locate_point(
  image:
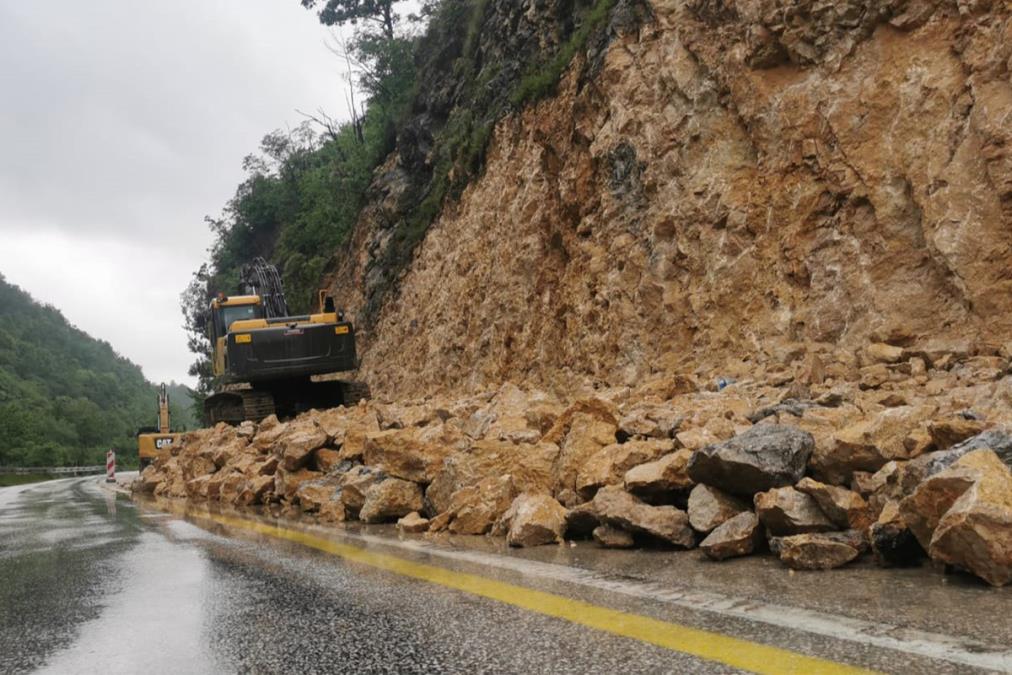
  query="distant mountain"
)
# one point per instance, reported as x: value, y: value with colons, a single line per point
x: 65, y: 397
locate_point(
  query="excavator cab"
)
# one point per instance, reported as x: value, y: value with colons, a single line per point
x: 224, y: 313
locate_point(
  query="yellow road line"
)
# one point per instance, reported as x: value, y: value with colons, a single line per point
x: 704, y: 644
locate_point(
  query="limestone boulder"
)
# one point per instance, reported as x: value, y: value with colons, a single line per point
x: 337, y: 422
x: 816, y: 551
x: 413, y: 523
x: 530, y: 465
x: 263, y: 466
x: 355, y: 485
x: 650, y: 421
x: 923, y: 509
x: 197, y: 488
x: 708, y: 508
x: 736, y: 536
x: 845, y: 508
x: 869, y: 444
x: 975, y: 534
x: 534, y: 520
x: 786, y: 511
x: 296, y: 445
x: 232, y: 486
x: 390, y: 499
x: 270, y: 430
x: 313, y: 494
x: 608, y: 536
x: 951, y: 431
x: 195, y: 466
x: 256, y: 490
x: 413, y: 454
x: 149, y: 479
x: 326, y: 459
x: 662, y: 476
x: 766, y: 456
x: 615, y: 506
x: 609, y: 465
x: 287, y: 483
x: 476, y: 508
x: 998, y: 440
x: 581, y: 431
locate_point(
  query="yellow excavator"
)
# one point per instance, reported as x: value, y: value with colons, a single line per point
x: 267, y: 361
x: 155, y: 441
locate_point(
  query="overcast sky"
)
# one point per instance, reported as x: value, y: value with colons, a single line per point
x: 122, y: 124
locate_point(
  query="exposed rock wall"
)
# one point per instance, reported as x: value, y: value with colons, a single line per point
x: 740, y: 182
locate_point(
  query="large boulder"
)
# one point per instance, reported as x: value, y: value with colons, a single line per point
x: 764, y: 457
x: 312, y: 495
x: 734, y: 537
x: 975, y: 534
x: 660, y: 477
x: 845, y: 508
x: 327, y: 459
x: 268, y: 433
x: 390, y: 499
x: 999, y: 440
x: 355, y: 485
x: 413, y: 454
x: 650, y: 421
x: 923, y: 509
x: 581, y: 431
x: 609, y: 465
x: 476, y: 508
x: 286, y: 483
x: 951, y: 431
x: 869, y: 444
x: 256, y: 490
x: 296, y: 445
x: 530, y: 466
x: 708, y: 508
x: 615, y: 506
x: 785, y: 512
x: 534, y: 520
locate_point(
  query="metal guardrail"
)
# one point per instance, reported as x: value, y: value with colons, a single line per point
x: 52, y: 470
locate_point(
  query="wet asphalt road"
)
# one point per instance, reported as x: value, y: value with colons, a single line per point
x: 92, y: 582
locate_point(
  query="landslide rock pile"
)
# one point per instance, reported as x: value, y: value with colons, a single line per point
x: 902, y: 453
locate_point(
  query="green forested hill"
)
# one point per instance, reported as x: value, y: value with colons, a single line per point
x: 65, y: 397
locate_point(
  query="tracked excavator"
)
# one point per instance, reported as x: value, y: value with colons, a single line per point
x: 157, y: 440
x: 267, y: 361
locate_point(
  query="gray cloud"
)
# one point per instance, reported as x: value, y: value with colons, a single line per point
x: 122, y: 124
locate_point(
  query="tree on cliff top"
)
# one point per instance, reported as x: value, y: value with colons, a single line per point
x: 377, y: 13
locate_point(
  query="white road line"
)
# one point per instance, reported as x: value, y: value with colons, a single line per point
x: 911, y: 641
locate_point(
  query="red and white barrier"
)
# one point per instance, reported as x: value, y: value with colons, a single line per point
x: 110, y: 466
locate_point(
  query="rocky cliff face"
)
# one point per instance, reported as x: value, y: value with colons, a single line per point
x: 732, y: 187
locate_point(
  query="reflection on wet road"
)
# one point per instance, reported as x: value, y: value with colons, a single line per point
x: 94, y: 583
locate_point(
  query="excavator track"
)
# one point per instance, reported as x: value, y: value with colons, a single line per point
x: 285, y: 399
x: 353, y: 392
